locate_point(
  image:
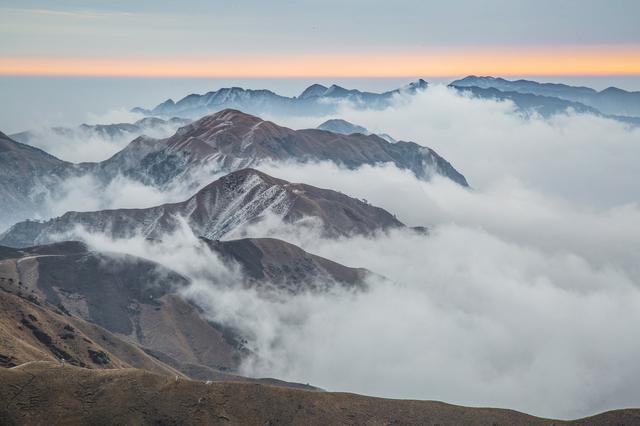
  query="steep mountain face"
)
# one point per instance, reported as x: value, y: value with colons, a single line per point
x: 230, y: 140
x: 136, y: 300
x: 611, y: 101
x: 25, y: 175
x: 33, y: 329
x: 233, y: 201
x: 314, y: 100
x: 130, y: 297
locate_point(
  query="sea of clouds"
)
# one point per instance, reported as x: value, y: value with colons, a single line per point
x: 525, y: 294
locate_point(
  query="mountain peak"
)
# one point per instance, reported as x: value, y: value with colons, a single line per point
x: 336, y: 90
x: 235, y: 178
x: 315, y: 90
x: 226, y: 115
x: 338, y: 125
x: 419, y: 84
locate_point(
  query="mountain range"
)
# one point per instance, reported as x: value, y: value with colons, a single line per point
x: 89, y: 336
x: 545, y: 99
x: 548, y: 99
x: 230, y: 140
x: 222, y: 142
x: 150, y: 126
x: 314, y: 100
x: 236, y: 200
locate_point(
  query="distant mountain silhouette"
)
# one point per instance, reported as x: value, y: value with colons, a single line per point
x: 616, y: 103
x: 314, y: 100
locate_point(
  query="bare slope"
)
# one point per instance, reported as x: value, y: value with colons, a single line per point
x: 231, y: 202
x: 45, y: 392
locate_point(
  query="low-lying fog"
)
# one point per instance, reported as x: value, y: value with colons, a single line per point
x: 526, y: 293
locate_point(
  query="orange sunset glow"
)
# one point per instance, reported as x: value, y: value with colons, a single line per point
x: 569, y: 61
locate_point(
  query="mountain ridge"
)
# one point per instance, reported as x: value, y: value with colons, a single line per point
x: 139, y: 301
x: 220, y: 143
x: 260, y: 101
x: 611, y: 101
x: 232, y: 139
x: 235, y: 200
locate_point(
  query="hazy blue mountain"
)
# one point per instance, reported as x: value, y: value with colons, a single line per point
x: 152, y: 126
x: 529, y: 103
x: 611, y: 101
x: 314, y: 100
x: 337, y: 125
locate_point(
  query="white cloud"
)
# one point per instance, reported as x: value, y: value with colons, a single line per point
x: 82, y: 144
x: 580, y: 157
x: 512, y: 307
x: 115, y: 115
x: 525, y: 295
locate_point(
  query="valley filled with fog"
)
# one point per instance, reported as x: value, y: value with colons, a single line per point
x: 519, y: 290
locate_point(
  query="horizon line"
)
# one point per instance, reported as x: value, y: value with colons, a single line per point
x: 557, y: 62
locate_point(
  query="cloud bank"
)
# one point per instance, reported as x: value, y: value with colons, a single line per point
x: 525, y: 294
x: 581, y: 157
x: 88, y: 144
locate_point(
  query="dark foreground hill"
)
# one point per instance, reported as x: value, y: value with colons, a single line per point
x: 47, y: 393
x: 108, y: 297
x: 33, y: 329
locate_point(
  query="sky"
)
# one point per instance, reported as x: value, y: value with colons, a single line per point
x: 359, y: 38
x: 59, y: 53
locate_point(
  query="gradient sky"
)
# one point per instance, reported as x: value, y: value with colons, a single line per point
x: 253, y: 38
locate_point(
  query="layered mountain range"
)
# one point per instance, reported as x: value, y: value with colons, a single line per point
x: 88, y: 334
x: 548, y: 99
x: 223, y: 142
x: 314, y: 100
x: 151, y: 126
